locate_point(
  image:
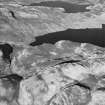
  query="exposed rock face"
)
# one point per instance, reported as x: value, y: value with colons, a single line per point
x: 66, y: 73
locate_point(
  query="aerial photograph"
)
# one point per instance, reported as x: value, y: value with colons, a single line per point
x: 52, y: 52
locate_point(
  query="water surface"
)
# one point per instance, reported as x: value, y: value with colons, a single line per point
x: 93, y: 36
x: 69, y: 7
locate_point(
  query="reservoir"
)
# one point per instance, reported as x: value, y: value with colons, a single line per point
x: 93, y: 36
x: 69, y: 7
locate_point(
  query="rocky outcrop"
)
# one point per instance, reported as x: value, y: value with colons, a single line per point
x: 66, y: 73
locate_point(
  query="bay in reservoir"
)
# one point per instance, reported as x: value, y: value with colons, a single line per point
x: 69, y: 7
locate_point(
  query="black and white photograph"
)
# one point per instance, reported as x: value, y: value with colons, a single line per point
x: 52, y: 52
